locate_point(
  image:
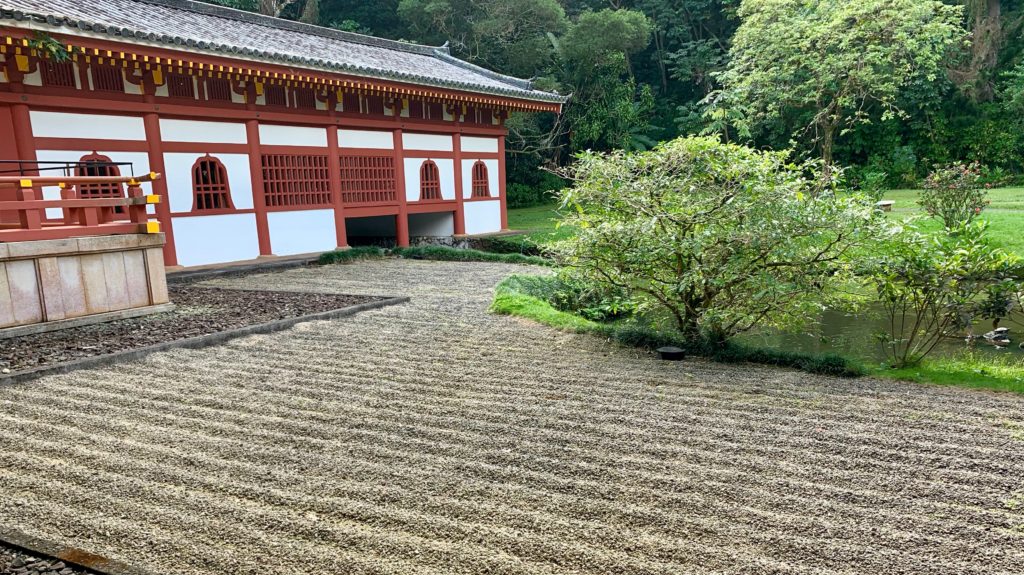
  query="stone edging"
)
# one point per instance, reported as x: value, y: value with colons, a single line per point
x: 77, y: 558
x: 192, y: 343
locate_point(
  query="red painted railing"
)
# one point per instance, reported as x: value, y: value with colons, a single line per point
x: 81, y: 216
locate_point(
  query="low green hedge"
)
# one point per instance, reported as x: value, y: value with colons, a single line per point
x: 463, y: 255
x: 440, y: 253
x: 523, y: 296
x: 351, y: 255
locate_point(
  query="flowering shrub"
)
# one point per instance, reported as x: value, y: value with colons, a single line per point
x: 717, y: 237
x: 954, y: 194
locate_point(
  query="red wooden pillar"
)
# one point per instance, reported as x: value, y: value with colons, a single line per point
x: 155, y: 151
x: 334, y: 164
x: 460, y: 209
x: 24, y: 141
x: 402, y: 219
x: 501, y: 182
x: 259, y: 200
x: 8, y: 151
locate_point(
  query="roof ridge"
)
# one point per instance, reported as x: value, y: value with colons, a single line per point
x: 520, y: 83
x: 294, y: 26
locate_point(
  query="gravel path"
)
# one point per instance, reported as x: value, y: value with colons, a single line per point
x: 434, y: 438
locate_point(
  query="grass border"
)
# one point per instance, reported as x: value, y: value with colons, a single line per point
x: 508, y: 300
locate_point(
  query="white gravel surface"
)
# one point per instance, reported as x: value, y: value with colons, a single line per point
x: 433, y: 437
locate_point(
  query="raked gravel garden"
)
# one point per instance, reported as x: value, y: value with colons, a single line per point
x: 434, y: 437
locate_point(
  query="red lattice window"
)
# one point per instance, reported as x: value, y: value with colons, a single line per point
x: 57, y: 73
x: 210, y: 189
x: 367, y: 179
x: 430, y: 181
x: 180, y: 86
x: 218, y: 89
x: 486, y: 116
x: 481, y: 188
x: 100, y: 166
x: 275, y: 95
x: 107, y: 78
x: 292, y: 180
x: 435, y: 111
x: 305, y: 98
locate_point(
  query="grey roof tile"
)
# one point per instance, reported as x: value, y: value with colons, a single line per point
x: 185, y: 23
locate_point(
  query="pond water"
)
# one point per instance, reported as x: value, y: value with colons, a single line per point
x: 855, y: 335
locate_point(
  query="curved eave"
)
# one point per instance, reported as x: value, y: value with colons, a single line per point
x: 67, y: 26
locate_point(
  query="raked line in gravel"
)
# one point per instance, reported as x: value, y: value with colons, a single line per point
x: 433, y: 437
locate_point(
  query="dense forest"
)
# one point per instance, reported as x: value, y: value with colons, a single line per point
x: 645, y: 71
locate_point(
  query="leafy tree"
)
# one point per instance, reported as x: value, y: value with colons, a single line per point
x: 608, y: 109
x: 932, y: 286
x: 721, y: 237
x: 832, y: 60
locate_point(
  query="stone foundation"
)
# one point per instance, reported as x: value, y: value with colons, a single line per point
x: 56, y: 281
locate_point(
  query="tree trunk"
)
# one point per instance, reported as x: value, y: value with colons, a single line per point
x: 985, y: 21
x: 274, y: 7
x: 828, y: 135
x: 311, y: 12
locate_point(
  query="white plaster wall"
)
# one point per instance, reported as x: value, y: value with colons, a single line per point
x: 33, y: 79
x: 52, y: 193
x: 88, y: 126
x: 205, y: 132
x: 200, y: 240
x: 445, y: 169
x: 440, y: 224
x: 467, y: 177
x: 139, y: 161
x: 477, y: 144
x: 482, y: 216
x: 179, y: 179
x: 374, y: 139
x: 272, y: 135
x: 302, y: 232
x: 437, y: 142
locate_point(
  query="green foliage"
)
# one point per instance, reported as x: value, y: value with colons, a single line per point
x: 933, y: 285
x: 351, y: 255
x: 540, y: 187
x: 49, y: 46
x: 526, y: 296
x: 720, y: 237
x: 462, y: 255
x: 816, y: 65
x: 953, y: 194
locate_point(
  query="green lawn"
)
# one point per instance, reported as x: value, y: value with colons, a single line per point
x: 1005, y: 215
x: 539, y: 223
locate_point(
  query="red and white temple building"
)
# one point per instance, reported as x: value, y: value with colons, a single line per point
x: 272, y: 137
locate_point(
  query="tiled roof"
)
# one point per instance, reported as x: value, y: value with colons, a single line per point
x: 193, y: 25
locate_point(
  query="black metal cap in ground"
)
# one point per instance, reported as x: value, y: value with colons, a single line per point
x: 670, y: 353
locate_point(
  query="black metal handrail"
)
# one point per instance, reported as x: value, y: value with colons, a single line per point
x: 68, y: 168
